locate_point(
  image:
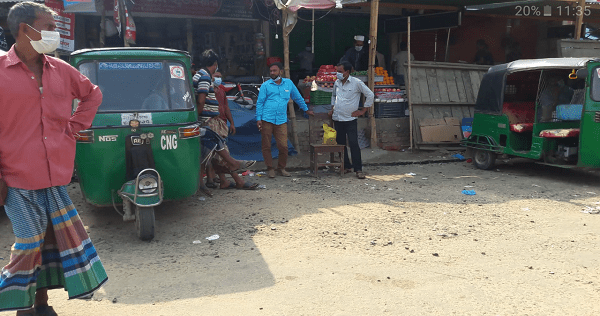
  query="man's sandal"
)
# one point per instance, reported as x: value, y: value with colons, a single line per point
x: 360, y: 175
x: 249, y: 186
x: 245, y: 164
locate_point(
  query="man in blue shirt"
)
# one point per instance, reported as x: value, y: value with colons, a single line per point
x: 271, y: 116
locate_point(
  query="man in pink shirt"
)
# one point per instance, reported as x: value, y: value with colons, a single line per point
x: 37, y: 152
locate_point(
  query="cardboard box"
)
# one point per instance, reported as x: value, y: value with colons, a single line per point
x: 441, y: 130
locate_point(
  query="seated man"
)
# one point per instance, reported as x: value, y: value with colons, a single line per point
x: 215, y: 152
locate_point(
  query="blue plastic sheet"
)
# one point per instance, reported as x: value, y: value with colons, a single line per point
x: 458, y: 156
x: 246, y: 143
x: 468, y: 192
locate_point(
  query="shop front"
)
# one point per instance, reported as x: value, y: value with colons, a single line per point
x: 231, y: 28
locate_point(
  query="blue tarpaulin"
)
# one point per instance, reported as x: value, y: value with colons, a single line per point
x: 246, y: 143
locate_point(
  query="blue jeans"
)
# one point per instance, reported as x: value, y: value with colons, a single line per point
x: 349, y: 128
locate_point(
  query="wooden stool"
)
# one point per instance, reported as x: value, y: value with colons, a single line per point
x: 316, y: 149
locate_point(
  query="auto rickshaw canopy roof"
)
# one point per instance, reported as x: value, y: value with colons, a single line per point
x: 491, y: 90
x: 132, y: 51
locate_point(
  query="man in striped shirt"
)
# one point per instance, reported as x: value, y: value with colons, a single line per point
x: 207, y: 102
x: 208, y: 106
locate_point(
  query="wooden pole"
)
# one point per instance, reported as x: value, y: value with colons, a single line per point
x: 190, y: 37
x: 286, y: 59
x: 372, y: 57
x: 447, y: 56
x: 312, y: 39
x: 579, y: 23
x: 408, y: 81
x: 102, y: 23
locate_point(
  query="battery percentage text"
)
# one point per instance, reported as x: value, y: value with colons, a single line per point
x: 557, y: 11
x: 528, y: 10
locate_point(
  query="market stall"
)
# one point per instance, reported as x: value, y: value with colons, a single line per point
x: 390, y: 98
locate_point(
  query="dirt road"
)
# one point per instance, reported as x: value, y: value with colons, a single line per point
x: 393, y: 244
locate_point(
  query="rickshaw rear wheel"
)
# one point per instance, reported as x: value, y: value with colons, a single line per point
x: 144, y: 222
x: 484, y: 159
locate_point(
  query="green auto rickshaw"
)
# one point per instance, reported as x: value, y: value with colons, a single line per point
x: 547, y: 110
x: 143, y: 146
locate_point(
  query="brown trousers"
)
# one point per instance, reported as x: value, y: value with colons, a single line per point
x: 280, y: 132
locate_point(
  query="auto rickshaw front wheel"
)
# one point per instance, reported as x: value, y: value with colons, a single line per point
x: 484, y: 159
x: 144, y: 222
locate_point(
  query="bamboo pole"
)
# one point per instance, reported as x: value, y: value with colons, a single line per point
x: 286, y: 59
x: 408, y: 81
x: 190, y: 37
x: 579, y: 23
x: 372, y: 57
x: 102, y: 23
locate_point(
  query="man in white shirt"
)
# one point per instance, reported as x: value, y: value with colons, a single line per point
x: 345, y: 100
x: 398, y: 63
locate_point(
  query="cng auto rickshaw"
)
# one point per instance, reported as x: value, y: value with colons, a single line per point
x: 143, y: 146
x: 547, y: 110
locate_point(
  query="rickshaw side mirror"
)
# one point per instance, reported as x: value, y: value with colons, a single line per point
x: 581, y: 73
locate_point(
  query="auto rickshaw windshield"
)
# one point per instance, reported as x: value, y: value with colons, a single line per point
x: 140, y: 86
x: 595, y: 91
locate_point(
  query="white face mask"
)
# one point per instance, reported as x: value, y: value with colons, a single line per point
x: 48, y: 43
x: 358, y: 48
x: 340, y: 75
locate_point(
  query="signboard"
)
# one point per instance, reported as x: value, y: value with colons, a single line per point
x: 80, y: 5
x: 65, y: 25
x: 235, y: 9
x: 130, y: 66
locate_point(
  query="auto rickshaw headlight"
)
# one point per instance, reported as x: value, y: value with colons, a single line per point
x: 189, y: 131
x: 86, y: 136
x: 148, y: 183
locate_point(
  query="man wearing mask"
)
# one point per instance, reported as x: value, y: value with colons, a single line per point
x: 271, y: 116
x: 37, y: 127
x: 357, y: 56
x: 219, y: 125
x: 345, y: 99
x: 306, y: 59
x: 208, y: 107
x: 398, y: 63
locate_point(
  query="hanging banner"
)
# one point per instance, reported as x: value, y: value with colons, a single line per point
x: 80, y: 5
x: 234, y: 9
x: 117, y: 15
x: 65, y: 25
x: 130, y: 30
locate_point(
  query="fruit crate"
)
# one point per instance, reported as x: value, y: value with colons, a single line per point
x: 390, y: 110
x: 320, y: 97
